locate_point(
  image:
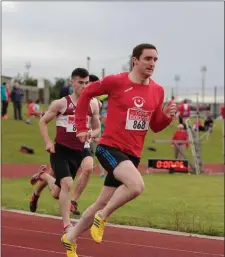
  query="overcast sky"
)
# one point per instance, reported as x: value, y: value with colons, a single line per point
x: 56, y: 37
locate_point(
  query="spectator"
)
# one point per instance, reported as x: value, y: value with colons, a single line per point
x: 222, y: 111
x: 32, y: 110
x: 198, y: 125
x: 184, y: 112
x: 182, y: 135
x: 37, y: 105
x: 9, y: 97
x: 38, y: 109
x: 16, y: 97
x: 172, y: 100
x: 208, y: 123
x: 8, y: 92
x: 4, y: 99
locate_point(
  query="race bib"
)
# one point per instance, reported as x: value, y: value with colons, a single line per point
x: 138, y: 119
x: 71, y: 124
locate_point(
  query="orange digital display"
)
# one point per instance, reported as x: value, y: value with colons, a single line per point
x: 169, y: 164
x: 176, y: 165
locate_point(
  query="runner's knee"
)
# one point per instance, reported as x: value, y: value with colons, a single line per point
x: 137, y: 187
x: 55, y: 195
x: 66, y: 184
x: 87, y: 172
x: 55, y: 192
x: 87, y: 165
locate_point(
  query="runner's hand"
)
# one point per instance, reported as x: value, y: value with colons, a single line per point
x: 170, y: 109
x: 50, y: 147
x: 84, y: 136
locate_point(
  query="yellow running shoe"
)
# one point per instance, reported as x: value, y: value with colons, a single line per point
x: 70, y: 247
x: 97, y: 228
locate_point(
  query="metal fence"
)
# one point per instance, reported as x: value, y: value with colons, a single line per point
x: 214, y: 96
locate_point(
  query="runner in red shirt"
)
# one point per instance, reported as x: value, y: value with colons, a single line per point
x: 135, y: 104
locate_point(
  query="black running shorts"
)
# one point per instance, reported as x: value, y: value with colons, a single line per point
x: 110, y: 157
x: 65, y: 162
x: 89, y: 151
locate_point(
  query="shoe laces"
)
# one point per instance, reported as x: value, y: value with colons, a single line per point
x: 73, y: 246
x: 101, y: 227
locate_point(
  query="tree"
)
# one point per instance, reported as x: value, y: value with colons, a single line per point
x: 30, y: 82
x: 59, y: 84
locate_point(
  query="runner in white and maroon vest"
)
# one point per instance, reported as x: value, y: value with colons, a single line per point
x: 87, y: 164
x: 67, y: 153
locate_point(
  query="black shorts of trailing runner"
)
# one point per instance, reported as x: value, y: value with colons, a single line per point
x: 65, y: 162
x: 89, y: 151
x: 110, y: 157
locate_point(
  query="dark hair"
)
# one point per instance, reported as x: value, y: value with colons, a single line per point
x: 93, y: 78
x: 37, y: 101
x: 4, y: 83
x: 138, y: 50
x: 80, y: 72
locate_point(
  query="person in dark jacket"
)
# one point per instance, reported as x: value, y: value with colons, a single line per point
x: 16, y: 97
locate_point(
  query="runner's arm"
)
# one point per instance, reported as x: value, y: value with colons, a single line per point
x: 95, y: 120
x: 95, y: 124
x: 159, y: 119
x: 100, y: 87
x: 55, y: 107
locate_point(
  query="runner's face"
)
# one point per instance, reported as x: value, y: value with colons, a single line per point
x: 146, y: 62
x: 78, y: 84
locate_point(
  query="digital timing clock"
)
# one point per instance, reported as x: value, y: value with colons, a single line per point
x: 168, y: 164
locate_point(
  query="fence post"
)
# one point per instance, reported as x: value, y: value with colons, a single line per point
x: 103, y: 72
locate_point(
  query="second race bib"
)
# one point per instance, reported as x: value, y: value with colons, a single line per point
x: 71, y: 124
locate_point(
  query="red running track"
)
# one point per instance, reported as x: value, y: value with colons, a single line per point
x: 35, y: 236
